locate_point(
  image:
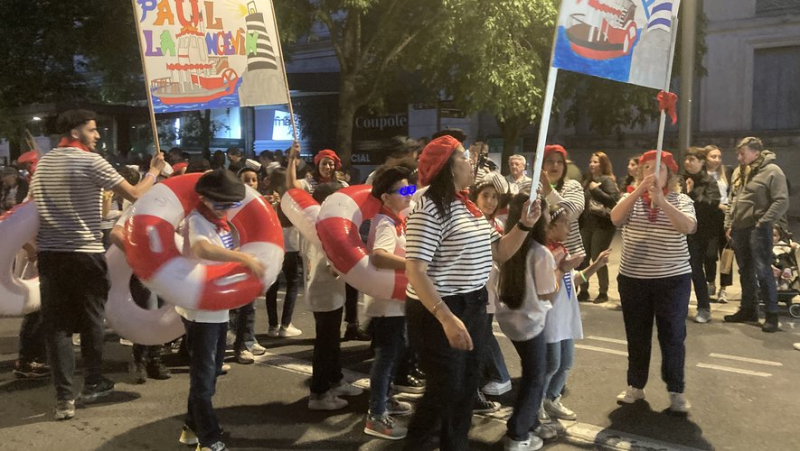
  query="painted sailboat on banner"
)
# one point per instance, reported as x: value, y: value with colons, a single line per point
x: 607, y: 30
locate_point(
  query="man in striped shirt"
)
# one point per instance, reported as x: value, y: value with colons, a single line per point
x: 67, y: 188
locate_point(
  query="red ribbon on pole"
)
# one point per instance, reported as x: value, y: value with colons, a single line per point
x: 667, y: 102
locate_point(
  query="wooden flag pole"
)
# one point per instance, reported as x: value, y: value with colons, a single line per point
x: 667, y: 79
x: 146, y: 81
x: 285, y: 75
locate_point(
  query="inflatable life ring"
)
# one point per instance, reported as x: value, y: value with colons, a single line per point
x: 155, y: 258
x: 18, y: 226
x: 302, y: 210
x: 141, y: 326
x: 339, y: 220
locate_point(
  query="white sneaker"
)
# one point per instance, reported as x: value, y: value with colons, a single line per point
x: 273, y: 331
x: 722, y: 296
x: 289, y: 331
x: 345, y: 389
x: 702, y: 317
x: 326, y: 401
x: 678, y: 403
x: 531, y: 444
x: 630, y: 395
x: 245, y: 357
x: 76, y: 339
x: 257, y: 349
x: 797, y: 346
x: 496, y: 388
x: 543, y: 416
x: 555, y: 409
x: 546, y: 431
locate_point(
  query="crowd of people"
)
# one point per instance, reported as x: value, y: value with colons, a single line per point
x: 475, y: 245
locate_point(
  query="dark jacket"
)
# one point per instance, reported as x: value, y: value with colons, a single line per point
x: 762, y: 199
x: 706, y: 196
x: 606, y: 194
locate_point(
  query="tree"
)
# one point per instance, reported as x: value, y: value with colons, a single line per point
x: 369, y: 37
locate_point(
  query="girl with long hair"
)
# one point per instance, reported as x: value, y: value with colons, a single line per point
x: 722, y: 174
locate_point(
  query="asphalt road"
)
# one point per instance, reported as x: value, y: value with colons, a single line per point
x: 742, y: 383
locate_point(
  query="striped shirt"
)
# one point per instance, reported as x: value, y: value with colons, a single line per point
x: 68, y: 186
x: 458, y: 249
x: 654, y: 250
x: 572, y: 198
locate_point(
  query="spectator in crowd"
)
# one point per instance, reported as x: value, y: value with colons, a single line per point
x: 517, y: 179
x: 703, y: 190
x: 236, y: 158
x: 628, y: 183
x: 655, y: 276
x: 722, y: 175
x: 759, y: 198
x: 597, y: 230
x: 218, y: 159
x: 13, y: 188
x: 268, y: 162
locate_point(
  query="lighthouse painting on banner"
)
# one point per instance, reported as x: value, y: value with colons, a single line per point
x: 203, y: 54
x: 622, y: 40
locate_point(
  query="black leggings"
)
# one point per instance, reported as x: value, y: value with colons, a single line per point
x: 596, y: 239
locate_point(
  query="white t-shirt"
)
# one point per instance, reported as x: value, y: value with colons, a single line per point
x: 383, y: 235
x: 198, y: 229
x: 324, y: 291
x: 528, y: 321
x: 492, y: 286
x: 291, y: 239
x: 564, y: 319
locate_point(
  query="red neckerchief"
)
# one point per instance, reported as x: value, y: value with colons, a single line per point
x: 495, y: 225
x: 553, y: 245
x: 67, y: 142
x: 630, y: 189
x: 652, y: 213
x: 210, y: 216
x: 399, y: 224
x: 462, y: 196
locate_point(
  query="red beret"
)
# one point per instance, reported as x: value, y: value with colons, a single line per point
x: 555, y: 148
x: 29, y: 157
x: 434, y: 157
x: 666, y: 158
x: 179, y: 166
x: 328, y: 153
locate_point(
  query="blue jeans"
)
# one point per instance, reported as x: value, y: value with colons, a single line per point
x: 389, y: 343
x: 753, y: 249
x: 494, y: 366
x: 206, y: 345
x: 452, y: 376
x: 560, y: 357
x: 667, y: 300
x: 532, y: 354
x: 243, y: 323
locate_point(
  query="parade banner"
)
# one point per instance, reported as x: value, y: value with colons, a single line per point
x: 623, y: 40
x: 210, y: 54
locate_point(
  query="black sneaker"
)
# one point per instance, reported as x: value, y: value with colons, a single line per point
x: 30, y: 370
x: 156, y: 370
x: 742, y: 316
x: 771, y: 323
x: 416, y: 372
x: 483, y: 405
x: 409, y: 385
x: 583, y: 296
x: 139, y: 372
x: 601, y: 298
x: 97, y: 390
x: 354, y: 333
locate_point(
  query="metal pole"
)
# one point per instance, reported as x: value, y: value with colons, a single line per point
x: 285, y: 75
x: 688, y: 38
x: 544, y: 125
x: 146, y: 81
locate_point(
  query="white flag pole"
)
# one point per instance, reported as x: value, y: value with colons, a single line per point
x: 285, y: 75
x: 663, y: 120
x: 544, y: 125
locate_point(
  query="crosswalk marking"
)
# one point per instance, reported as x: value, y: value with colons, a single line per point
x: 733, y: 370
x: 608, y: 340
x: 745, y: 359
x: 604, y: 350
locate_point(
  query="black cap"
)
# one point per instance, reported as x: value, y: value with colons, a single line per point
x: 220, y: 185
x: 384, y: 180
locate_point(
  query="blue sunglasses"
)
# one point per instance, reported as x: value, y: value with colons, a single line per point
x: 405, y: 191
x: 219, y: 206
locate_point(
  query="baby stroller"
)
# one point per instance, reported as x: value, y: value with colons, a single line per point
x: 785, y: 254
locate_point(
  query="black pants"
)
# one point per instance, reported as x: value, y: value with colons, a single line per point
x: 31, y: 339
x: 667, y: 300
x: 206, y: 345
x: 596, y: 239
x: 326, y: 364
x: 452, y: 376
x: 697, y: 255
x: 350, y: 305
x: 74, y: 288
x: 292, y: 274
x: 533, y: 356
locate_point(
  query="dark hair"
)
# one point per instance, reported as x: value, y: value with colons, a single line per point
x: 235, y: 151
x: 456, y: 133
x: 386, y: 177
x: 198, y: 166
x: 322, y: 191
x: 442, y: 191
x: 129, y: 174
x: 218, y: 159
x: 560, y: 182
x: 267, y: 154
x: 477, y: 189
x: 697, y: 152
x: 248, y: 169
x: 513, y: 271
x: 72, y: 119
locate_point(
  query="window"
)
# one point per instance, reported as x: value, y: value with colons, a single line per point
x: 776, y: 90
x: 777, y: 6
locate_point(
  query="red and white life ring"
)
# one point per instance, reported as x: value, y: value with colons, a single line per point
x: 18, y: 296
x: 302, y: 210
x: 339, y: 219
x: 155, y: 258
x: 141, y: 326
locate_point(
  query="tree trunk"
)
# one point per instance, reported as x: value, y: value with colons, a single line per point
x: 511, y: 128
x: 348, y: 105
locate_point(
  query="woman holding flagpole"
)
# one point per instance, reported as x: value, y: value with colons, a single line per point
x: 655, y: 277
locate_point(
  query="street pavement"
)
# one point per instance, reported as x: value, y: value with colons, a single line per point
x: 742, y: 384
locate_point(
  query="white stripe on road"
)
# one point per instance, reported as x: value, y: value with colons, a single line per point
x: 732, y: 370
x: 604, y: 437
x: 745, y: 359
x: 604, y: 350
x: 608, y: 340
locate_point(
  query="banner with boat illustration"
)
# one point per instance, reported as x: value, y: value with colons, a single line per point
x: 622, y: 40
x: 210, y: 54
